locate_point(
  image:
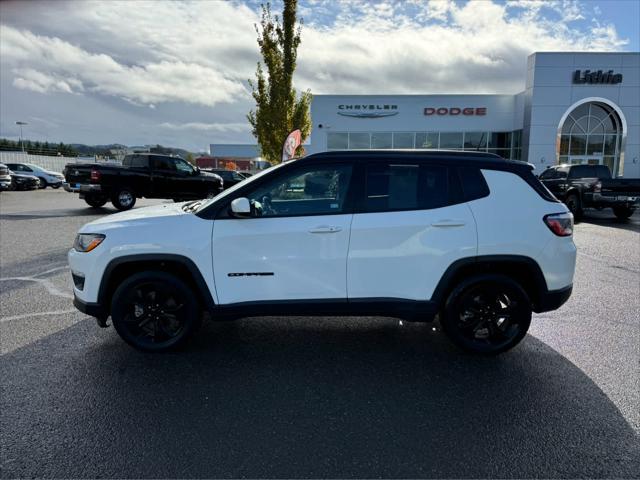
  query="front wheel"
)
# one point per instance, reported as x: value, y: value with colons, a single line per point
x: 154, y: 311
x: 622, y: 213
x: 123, y: 199
x: 43, y: 183
x: 487, y: 314
x: 56, y: 186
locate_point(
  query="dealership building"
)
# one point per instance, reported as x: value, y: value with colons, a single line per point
x: 579, y: 108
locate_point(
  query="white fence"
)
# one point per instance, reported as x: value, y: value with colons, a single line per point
x: 55, y: 164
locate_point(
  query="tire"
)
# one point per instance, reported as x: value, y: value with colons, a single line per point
x: 622, y: 213
x: 123, y: 199
x: 574, y: 205
x: 95, y: 202
x: 56, y: 186
x: 43, y: 183
x: 155, y: 311
x: 486, y: 314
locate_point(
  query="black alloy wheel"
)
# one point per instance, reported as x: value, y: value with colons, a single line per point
x: 487, y: 314
x: 154, y: 311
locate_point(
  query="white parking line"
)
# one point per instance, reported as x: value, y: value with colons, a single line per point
x: 37, y: 314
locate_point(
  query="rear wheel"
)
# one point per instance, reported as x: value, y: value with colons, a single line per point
x: 574, y: 205
x: 154, y: 311
x: 123, y: 199
x: 95, y: 202
x: 43, y: 183
x: 622, y: 213
x: 487, y: 314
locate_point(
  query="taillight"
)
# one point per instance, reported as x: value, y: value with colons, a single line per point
x: 95, y: 175
x: 597, y: 187
x: 560, y: 223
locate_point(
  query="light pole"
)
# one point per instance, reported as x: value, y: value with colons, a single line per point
x: 21, y: 141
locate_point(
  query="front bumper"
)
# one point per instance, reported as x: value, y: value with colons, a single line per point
x: 91, y: 309
x: 5, y: 184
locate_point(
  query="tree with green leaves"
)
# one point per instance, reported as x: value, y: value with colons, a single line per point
x: 279, y: 109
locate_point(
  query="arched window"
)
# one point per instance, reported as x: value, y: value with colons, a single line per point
x: 591, y: 134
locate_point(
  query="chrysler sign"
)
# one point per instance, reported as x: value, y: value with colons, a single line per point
x: 453, y: 111
x: 367, y: 111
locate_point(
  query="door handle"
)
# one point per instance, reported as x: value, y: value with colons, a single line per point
x: 325, y: 229
x: 448, y: 223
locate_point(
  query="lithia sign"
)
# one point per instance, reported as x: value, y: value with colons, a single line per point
x: 598, y: 77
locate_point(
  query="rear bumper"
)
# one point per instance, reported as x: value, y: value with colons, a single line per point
x: 553, y: 299
x: 622, y: 200
x: 69, y: 188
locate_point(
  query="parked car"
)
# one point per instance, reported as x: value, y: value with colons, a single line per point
x: 230, y: 177
x: 140, y: 175
x: 591, y: 186
x: 47, y: 177
x: 470, y: 237
x: 22, y: 181
x: 5, y: 178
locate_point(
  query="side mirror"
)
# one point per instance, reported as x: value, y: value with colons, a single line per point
x: 240, y: 207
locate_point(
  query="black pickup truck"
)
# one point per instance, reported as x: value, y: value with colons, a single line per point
x: 140, y: 175
x: 591, y: 186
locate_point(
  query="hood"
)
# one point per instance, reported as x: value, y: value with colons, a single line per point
x: 204, y: 173
x: 164, y: 210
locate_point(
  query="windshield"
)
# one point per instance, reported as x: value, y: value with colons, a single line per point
x: 242, y: 184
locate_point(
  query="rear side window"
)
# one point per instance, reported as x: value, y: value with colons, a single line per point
x: 587, y: 171
x: 392, y: 187
x: 474, y: 186
x: 136, y: 161
x: 164, y: 163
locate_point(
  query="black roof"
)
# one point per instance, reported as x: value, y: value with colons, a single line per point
x: 484, y: 158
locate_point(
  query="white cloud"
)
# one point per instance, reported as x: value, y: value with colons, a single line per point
x: 207, y: 127
x: 71, y: 69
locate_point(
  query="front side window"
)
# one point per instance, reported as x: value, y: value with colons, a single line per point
x: 184, y: 167
x: 310, y: 190
x: 548, y: 174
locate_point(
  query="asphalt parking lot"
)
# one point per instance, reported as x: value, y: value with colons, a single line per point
x: 310, y: 397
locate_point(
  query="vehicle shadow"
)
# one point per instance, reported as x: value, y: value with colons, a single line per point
x: 300, y: 398
x: 605, y: 220
x: 67, y: 212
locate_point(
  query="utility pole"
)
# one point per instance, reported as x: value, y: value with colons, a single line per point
x: 21, y: 141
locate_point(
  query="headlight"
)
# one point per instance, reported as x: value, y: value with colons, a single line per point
x: 85, y: 242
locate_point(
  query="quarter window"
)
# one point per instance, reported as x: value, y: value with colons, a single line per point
x: 312, y: 190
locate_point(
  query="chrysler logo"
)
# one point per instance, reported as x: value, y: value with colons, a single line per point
x: 368, y: 111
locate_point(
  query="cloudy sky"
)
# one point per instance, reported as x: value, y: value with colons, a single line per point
x: 138, y: 72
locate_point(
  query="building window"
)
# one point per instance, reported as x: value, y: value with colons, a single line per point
x: 403, y: 139
x: 427, y: 140
x: 381, y: 140
x: 591, y: 133
x: 451, y: 140
x: 337, y: 141
x: 359, y: 140
x: 475, y: 141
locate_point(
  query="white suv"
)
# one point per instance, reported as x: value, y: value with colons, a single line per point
x: 469, y: 237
